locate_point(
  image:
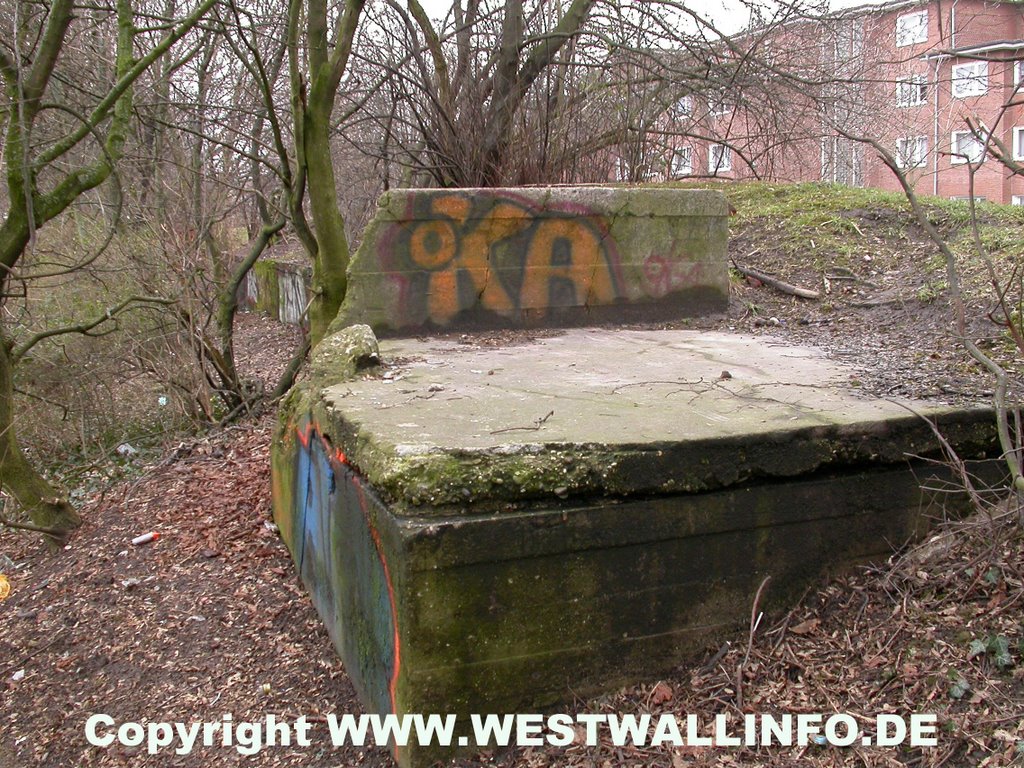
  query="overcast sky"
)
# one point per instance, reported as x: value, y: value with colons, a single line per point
x: 728, y: 15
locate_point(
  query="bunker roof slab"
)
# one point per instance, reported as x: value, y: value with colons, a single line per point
x: 452, y: 425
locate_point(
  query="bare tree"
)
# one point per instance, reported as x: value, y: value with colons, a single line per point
x: 1007, y: 290
x: 48, y: 167
x: 540, y: 92
x: 462, y: 102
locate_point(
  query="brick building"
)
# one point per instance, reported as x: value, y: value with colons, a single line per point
x: 913, y: 75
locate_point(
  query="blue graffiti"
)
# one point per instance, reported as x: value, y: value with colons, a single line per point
x: 340, y: 561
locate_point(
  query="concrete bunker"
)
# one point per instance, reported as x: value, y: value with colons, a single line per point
x: 484, y: 527
x: 277, y: 287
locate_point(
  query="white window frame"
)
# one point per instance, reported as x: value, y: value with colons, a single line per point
x: 1018, y: 72
x: 683, y: 106
x: 717, y: 104
x: 1016, y: 199
x: 969, y: 78
x: 912, y: 91
x: 912, y: 28
x: 959, y: 159
x: 682, y: 162
x: 1018, y: 143
x: 917, y: 156
x: 724, y: 162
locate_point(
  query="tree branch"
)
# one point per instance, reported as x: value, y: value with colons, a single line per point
x: 49, y: 49
x: 124, y: 82
x: 84, y: 328
x: 33, y: 528
x: 1010, y: 451
x: 444, y: 85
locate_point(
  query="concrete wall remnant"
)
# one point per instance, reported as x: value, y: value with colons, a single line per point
x: 538, y: 256
x: 278, y: 288
x: 486, y: 528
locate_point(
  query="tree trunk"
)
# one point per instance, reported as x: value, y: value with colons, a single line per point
x: 30, y: 490
x: 331, y: 261
x: 311, y: 110
x: 153, y: 138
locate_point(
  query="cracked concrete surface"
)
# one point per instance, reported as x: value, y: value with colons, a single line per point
x: 621, y: 412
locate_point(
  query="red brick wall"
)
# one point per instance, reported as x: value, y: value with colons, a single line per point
x: 799, y: 158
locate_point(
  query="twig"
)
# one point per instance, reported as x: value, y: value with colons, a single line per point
x: 755, y: 621
x: 537, y: 424
x: 783, y: 625
x: 779, y: 285
x: 36, y: 652
x: 718, y: 656
x: 657, y: 381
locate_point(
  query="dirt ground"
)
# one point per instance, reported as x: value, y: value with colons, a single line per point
x: 211, y: 619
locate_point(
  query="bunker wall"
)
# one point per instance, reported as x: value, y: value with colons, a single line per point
x: 532, y: 257
x: 279, y: 289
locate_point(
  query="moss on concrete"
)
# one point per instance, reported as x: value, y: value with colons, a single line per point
x: 505, y: 614
x: 520, y: 568
x: 343, y: 353
x: 281, y: 288
x: 459, y: 428
x: 268, y: 294
x: 435, y: 481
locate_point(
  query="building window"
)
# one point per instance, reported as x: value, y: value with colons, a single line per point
x: 719, y: 158
x: 842, y: 161
x: 1017, y: 200
x: 717, y: 105
x: 965, y: 147
x: 682, y: 161
x: 911, y: 152
x: 912, y: 28
x: 1018, y: 143
x: 684, y: 106
x: 621, y: 169
x: 970, y: 79
x: 1018, y: 73
x: 911, y: 91
x: 849, y: 40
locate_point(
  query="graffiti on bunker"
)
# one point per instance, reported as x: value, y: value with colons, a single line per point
x: 339, y: 555
x: 292, y: 297
x: 463, y: 251
x: 664, y: 274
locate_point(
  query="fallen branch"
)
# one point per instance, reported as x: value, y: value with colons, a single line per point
x: 34, y: 528
x: 779, y: 285
x: 717, y: 657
